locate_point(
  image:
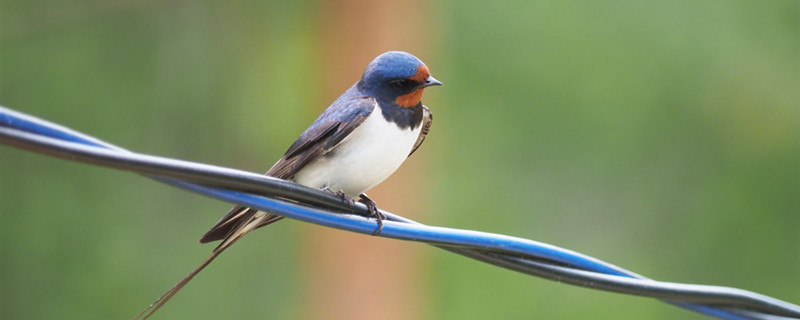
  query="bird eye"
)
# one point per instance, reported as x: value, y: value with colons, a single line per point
x: 397, y: 84
x: 400, y: 83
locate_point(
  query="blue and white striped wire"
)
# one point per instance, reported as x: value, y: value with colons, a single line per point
x: 302, y: 203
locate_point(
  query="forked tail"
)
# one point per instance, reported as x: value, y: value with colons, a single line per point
x: 258, y: 219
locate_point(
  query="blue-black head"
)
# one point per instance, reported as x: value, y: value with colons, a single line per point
x: 397, y: 77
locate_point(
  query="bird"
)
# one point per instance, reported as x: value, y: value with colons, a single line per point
x: 355, y: 144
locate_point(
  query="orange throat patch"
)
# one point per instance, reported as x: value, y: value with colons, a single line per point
x: 410, y: 99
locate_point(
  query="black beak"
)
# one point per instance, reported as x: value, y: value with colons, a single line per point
x: 431, y: 81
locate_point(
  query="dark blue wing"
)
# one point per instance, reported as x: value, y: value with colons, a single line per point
x: 427, y: 120
x: 332, y: 126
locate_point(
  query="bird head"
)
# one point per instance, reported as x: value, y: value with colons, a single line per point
x: 397, y: 77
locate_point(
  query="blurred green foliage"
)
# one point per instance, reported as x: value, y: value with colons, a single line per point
x: 662, y: 137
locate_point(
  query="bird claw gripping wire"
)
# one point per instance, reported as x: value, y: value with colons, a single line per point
x: 372, y: 206
x: 316, y: 206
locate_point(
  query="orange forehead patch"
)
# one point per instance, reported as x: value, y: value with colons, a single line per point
x: 410, y: 99
x: 422, y: 74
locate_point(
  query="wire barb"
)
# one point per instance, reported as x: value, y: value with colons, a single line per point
x: 315, y: 206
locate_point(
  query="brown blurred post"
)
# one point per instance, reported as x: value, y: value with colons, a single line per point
x: 351, y: 276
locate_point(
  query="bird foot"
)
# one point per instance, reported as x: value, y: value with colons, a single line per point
x: 362, y: 198
x: 373, y: 211
x: 345, y: 197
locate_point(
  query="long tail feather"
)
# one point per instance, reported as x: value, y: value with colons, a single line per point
x: 256, y: 220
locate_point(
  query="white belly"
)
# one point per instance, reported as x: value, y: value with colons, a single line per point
x: 369, y: 155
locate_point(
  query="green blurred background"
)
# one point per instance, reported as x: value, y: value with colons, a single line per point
x: 662, y: 137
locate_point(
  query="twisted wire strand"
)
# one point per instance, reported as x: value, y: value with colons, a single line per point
x: 315, y: 206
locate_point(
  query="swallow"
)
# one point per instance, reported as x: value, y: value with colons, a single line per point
x: 355, y: 144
